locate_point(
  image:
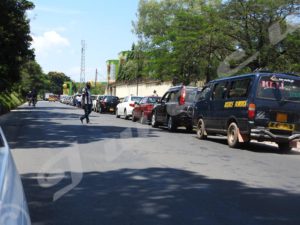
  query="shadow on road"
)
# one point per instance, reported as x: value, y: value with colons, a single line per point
x: 159, y: 196
x: 42, y: 128
x: 252, y: 146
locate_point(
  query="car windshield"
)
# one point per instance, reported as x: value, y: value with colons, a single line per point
x: 279, y: 88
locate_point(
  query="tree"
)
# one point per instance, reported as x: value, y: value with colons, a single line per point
x: 32, y: 77
x: 256, y: 28
x: 181, y: 39
x: 14, y: 40
x: 57, y: 80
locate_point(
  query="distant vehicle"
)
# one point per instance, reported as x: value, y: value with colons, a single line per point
x: 13, y: 204
x: 108, y: 103
x: 260, y: 106
x: 175, y: 108
x: 46, y: 96
x: 143, y: 109
x: 126, y: 106
x: 53, y: 98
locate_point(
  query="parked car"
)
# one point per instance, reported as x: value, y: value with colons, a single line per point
x: 126, y: 106
x: 175, y: 108
x: 260, y: 106
x: 13, y: 204
x: 108, y: 103
x: 143, y: 109
x: 95, y: 101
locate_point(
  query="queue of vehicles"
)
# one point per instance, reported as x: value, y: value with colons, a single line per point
x: 261, y: 106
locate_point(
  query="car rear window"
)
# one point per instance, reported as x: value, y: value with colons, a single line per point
x: 191, y: 95
x: 279, y: 88
x: 136, y: 99
x: 153, y: 99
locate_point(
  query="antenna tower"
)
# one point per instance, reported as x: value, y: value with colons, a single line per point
x: 82, y: 68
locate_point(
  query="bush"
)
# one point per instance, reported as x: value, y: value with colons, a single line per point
x: 9, y: 101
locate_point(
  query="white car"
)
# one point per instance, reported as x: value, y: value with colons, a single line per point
x: 13, y: 204
x: 126, y: 106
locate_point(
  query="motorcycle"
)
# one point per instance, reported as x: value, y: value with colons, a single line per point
x: 32, y: 101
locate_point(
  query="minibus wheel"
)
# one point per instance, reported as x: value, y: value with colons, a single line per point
x: 201, y: 133
x: 284, y: 147
x: 232, y: 135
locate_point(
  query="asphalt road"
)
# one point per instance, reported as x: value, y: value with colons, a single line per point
x: 117, y: 172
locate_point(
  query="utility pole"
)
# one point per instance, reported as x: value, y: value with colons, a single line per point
x: 82, y: 68
x: 96, y: 77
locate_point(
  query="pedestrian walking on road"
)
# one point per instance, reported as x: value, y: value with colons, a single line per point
x: 86, y: 102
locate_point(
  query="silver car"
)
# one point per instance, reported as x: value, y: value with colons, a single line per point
x: 13, y: 205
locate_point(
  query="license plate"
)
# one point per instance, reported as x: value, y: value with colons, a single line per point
x: 281, y: 126
x: 111, y: 109
x: 281, y: 117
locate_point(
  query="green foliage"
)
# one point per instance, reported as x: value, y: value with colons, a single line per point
x: 251, y: 25
x: 99, y: 89
x: 14, y: 40
x: 188, y: 40
x: 9, y: 100
x: 32, y: 77
x: 57, y: 80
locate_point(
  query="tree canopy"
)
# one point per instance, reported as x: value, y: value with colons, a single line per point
x: 189, y: 40
x: 14, y: 40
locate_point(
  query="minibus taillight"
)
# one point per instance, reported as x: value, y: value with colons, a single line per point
x: 251, y: 111
x: 182, y: 96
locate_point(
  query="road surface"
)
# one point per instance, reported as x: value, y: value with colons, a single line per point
x: 117, y: 172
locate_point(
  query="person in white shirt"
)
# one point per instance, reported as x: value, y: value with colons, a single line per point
x: 86, y: 103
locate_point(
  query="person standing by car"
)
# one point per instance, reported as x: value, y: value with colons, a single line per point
x: 155, y: 94
x: 86, y: 102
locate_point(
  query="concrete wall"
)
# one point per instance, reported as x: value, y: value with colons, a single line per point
x: 143, y: 89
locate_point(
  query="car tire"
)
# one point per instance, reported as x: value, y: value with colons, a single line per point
x: 201, y: 133
x: 284, y: 147
x: 133, y: 118
x: 142, y: 119
x: 153, y: 120
x: 171, y: 124
x: 126, y: 117
x: 117, y: 114
x: 232, y: 135
x: 100, y: 110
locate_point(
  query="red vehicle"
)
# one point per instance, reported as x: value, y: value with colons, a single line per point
x: 143, y: 110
